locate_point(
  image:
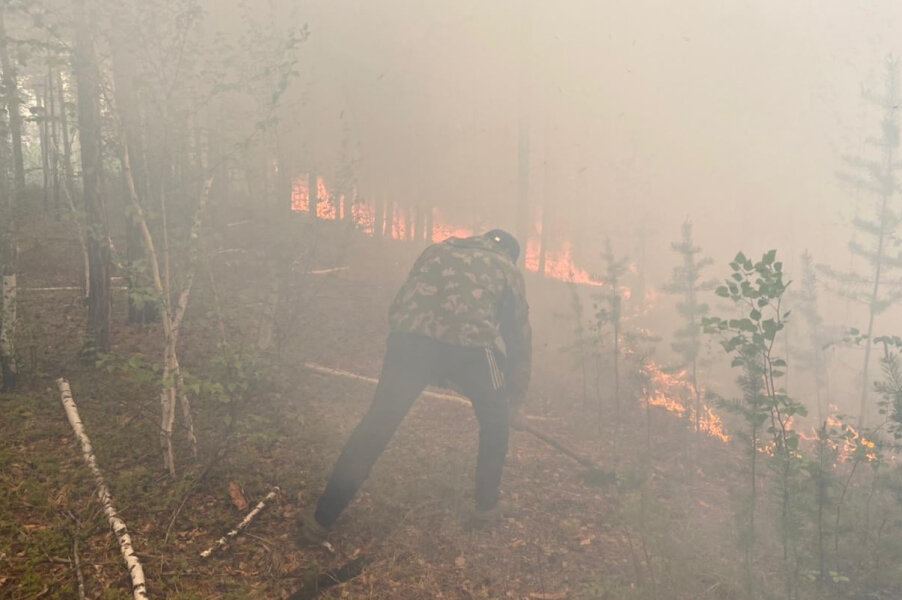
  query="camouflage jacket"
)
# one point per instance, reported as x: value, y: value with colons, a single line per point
x: 469, y: 293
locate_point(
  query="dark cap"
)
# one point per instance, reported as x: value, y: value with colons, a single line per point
x: 508, y: 242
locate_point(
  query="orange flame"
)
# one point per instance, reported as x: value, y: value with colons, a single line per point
x: 364, y: 217
x: 300, y: 198
x: 847, y: 447
x: 559, y: 264
x: 673, y: 393
x: 442, y: 230
x: 399, y: 223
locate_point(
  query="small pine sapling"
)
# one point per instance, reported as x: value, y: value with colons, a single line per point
x: 609, y: 311
x: 687, y: 282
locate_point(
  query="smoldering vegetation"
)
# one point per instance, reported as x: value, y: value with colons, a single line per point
x: 207, y: 207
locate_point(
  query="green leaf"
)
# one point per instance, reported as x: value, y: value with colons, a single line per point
x: 722, y: 291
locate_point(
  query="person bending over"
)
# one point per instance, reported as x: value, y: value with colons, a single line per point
x: 460, y: 320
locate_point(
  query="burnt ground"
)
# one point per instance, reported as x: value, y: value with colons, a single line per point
x: 661, y: 528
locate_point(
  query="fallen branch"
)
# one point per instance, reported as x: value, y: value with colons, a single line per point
x: 349, y: 375
x: 327, y: 271
x: 224, y: 540
x: 77, y: 567
x: 66, y: 288
x: 563, y: 449
x: 139, y: 585
x: 554, y: 443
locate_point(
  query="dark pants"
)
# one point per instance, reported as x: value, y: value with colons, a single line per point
x: 411, y: 363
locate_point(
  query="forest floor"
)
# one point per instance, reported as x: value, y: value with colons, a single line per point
x: 661, y: 528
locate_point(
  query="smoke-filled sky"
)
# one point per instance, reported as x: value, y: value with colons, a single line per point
x: 736, y: 114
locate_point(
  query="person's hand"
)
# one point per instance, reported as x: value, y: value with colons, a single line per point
x: 517, y: 417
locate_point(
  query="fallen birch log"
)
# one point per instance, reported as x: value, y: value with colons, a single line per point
x: 224, y: 540
x: 139, y: 585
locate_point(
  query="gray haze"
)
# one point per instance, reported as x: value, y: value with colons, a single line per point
x: 716, y: 111
x: 736, y: 115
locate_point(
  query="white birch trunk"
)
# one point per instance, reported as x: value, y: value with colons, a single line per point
x: 139, y: 585
x: 224, y: 540
x: 7, y: 332
x: 186, y: 410
x: 173, y: 383
x: 167, y: 411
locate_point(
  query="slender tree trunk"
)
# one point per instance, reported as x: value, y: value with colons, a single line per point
x: 430, y: 224
x: 313, y: 193
x: 89, y: 131
x: 173, y: 388
x: 11, y: 87
x: 391, y: 210
x: 64, y: 127
x: 42, y: 116
x: 409, y: 224
x: 543, y: 241
x: 872, y: 308
x: 891, y: 133
x: 54, y: 141
x: 142, y: 307
x: 523, y: 126
x: 6, y: 199
x: 378, y: 218
x: 8, y: 366
x: 8, y: 204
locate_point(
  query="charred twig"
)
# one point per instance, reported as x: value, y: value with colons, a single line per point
x: 77, y: 566
x: 224, y: 540
x: 563, y: 449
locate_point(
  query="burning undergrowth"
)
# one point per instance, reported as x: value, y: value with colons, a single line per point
x: 403, y: 224
x: 675, y: 393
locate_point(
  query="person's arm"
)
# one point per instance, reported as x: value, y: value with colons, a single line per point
x: 517, y: 334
